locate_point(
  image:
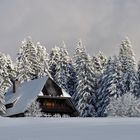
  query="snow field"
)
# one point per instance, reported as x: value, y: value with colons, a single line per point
x: 70, y: 128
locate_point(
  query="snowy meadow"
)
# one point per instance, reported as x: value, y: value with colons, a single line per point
x: 70, y: 128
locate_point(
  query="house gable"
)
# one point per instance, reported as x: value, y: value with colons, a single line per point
x: 51, y: 88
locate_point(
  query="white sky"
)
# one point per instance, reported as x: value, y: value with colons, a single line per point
x: 101, y: 24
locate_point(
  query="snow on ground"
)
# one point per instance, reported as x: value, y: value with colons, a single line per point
x: 69, y: 129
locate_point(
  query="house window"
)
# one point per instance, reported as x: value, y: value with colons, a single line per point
x: 9, y: 105
x: 49, y: 104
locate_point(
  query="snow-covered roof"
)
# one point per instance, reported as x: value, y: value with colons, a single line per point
x: 65, y: 94
x: 25, y: 94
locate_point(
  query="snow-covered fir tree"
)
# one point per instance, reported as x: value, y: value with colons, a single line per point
x: 62, y: 72
x: 53, y: 60
x: 71, y: 80
x: 85, y: 97
x: 61, y: 69
x: 109, y: 85
x: 102, y: 60
x: 26, y: 54
x: 31, y: 61
x: 6, y: 73
x: 42, y: 58
x: 97, y: 65
x: 3, y: 87
x: 128, y: 68
x: 34, y: 110
x: 126, y: 105
x: 138, y: 71
x: 138, y: 76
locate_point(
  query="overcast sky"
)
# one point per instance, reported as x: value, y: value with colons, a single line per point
x: 101, y: 24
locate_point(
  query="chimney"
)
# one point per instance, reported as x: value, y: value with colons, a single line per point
x: 15, y: 85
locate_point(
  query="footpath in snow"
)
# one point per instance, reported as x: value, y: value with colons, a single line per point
x: 69, y: 129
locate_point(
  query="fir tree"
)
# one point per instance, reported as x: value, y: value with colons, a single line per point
x: 42, y: 58
x: 53, y: 60
x: 6, y: 72
x: 24, y: 61
x: 85, y: 97
x: 97, y: 65
x: 34, y: 110
x: 61, y: 68
x: 31, y: 61
x: 138, y: 85
x: 102, y: 60
x: 128, y: 67
x: 2, y: 92
x: 138, y: 72
x: 109, y: 85
x: 61, y: 75
x: 71, y: 80
x: 126, y: 105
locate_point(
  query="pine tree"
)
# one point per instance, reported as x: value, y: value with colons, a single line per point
x: 71, y: 80
x: 138, y: 82
x: 61, y: 68
x: 138, y: 72
x: 102, y: 60
x: 126, y: 105
x: 2, y: 92
x: 109, y: 86
x: 31, y: 61
x: 34, y: 110
x: 85, y: 97
x: 24, y: 62
x: 6, y: 72
x: 97, y: 65
x: 128, y: 67
x: 62, y: 72
x: 53, y: 60
x: 42, y: 58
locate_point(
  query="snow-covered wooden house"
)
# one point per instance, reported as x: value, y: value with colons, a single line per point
x: 52, y: 98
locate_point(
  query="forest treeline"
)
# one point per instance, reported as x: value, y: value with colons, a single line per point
x: 100, y: 86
